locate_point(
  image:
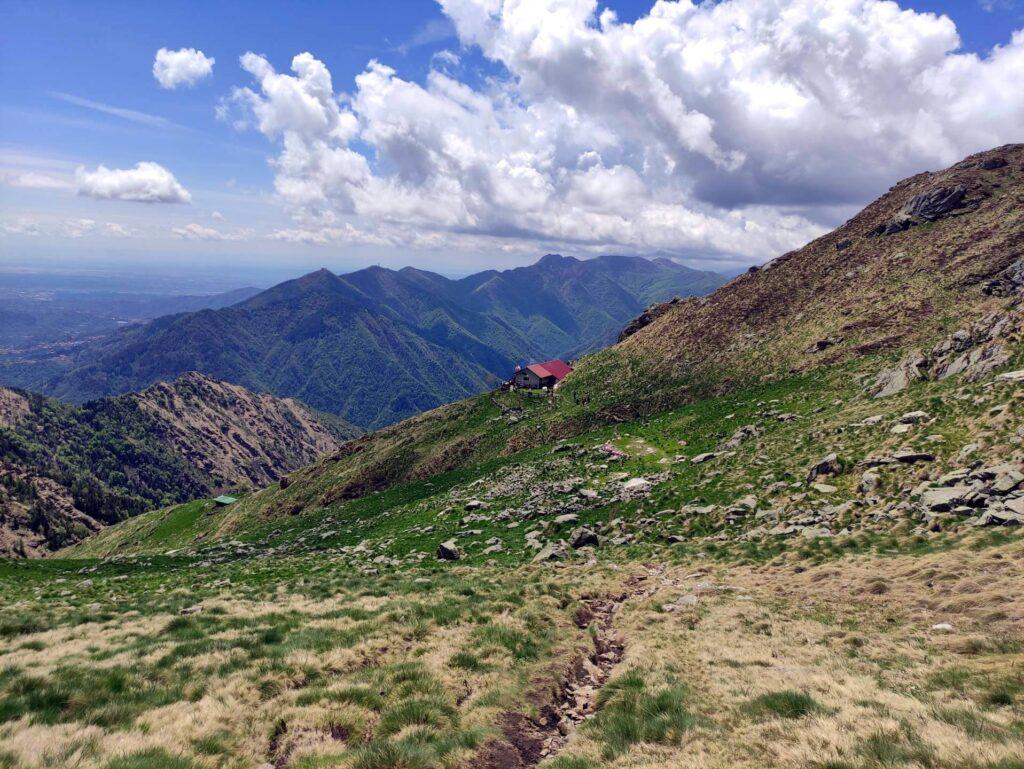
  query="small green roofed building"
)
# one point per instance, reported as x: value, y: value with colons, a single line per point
x: 224, y: 500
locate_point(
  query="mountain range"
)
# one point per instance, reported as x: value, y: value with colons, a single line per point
x: 377, y: 345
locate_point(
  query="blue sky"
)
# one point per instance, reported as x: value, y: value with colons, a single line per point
x: 77, y: 90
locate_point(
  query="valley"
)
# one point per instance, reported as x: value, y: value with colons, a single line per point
x: 66, y: 472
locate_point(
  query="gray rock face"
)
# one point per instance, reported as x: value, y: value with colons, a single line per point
x: 1009, y: 282
x: 893, y: 380
x: 448, y: 551
x: 973, y: 352
x: 935, y: 204
x: 927, y: 207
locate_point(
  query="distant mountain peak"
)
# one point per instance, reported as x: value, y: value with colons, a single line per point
x: 556, y: 260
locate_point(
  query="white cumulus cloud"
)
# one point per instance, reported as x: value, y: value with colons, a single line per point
x: 147, y: 182
x: 735, y: 128
x: 183, y: 67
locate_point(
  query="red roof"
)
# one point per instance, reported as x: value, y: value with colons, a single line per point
x: 556, y: 368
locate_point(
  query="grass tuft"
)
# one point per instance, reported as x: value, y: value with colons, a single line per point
x: 784, y: 704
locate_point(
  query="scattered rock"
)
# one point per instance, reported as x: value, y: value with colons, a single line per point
x: 448, y: 551
x: 705, y: 457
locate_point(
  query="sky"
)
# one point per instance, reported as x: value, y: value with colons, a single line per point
x: 459, y: 135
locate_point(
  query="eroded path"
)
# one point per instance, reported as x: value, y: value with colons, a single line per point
x: 569, y: 697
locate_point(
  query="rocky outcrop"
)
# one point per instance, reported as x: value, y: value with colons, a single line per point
x: 974, y: 351
x: 929, y: 206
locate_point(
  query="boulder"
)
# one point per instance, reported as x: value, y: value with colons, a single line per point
x: 1000, y: 518
x: 830, y: 465
x: 448, y: 551
x: 936, y: 203
x: 823, y: 344
x: 705, y: 457
x: 1015, y: 506
x: 636, y: 486
x: 913, y: 417
x: 583, y: 537
x: 1007, y: 479
x: 567, y: 518
x: 748, y: 503
x: 553, y: 551
x: 944, y: 499
x: 909, y: 456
